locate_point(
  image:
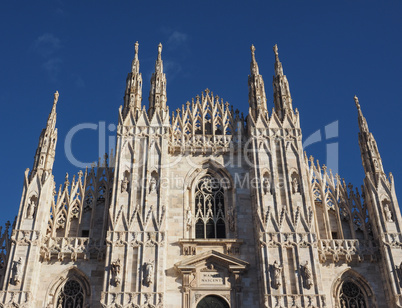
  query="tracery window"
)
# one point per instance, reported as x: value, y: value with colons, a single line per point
x: 352, y: 296
x: 209, y: 209
x: 71, y: 295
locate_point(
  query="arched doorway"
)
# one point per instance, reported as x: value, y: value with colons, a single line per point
x: 213, y: 301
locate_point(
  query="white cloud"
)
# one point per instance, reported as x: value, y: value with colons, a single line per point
x: 46, y: 44
x: 171, y: 69
x: 176, y: 39
x: 52, y: 67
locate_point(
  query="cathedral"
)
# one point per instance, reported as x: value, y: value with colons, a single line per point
x: 204, y: 207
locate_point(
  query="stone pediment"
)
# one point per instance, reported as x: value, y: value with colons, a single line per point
x: 218, y: 259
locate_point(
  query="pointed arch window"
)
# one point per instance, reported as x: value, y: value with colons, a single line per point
x: 71, y: 295
x: 352, y: 296
x: 209, y: 209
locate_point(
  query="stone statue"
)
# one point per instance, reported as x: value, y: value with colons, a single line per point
x: 189, y: 218
x: 124, y: 185
x: 115, y: 268
x: 148, y: 273
x: 266, y: 186
x: 399, y: 273
x: 295, y: 185
x: 388, y: 213
x: 17, y: 271
x: 276, y: 275
x: 152, y: 186
x: 307, y: 275
x: 31, y: 209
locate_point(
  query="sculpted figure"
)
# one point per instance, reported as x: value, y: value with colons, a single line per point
x: 276, y: 277
x: 307, y: 275
x: 189, y: 218
x: 388, y: 213
x: 399, y: 273
x: 266, y: 186
x: 149, y: 273
x: 124, y: 185
x: 17, y: 271
x: 31, y: 209
x: 152, y: 186
x: 115, y: 268
x: 295, y: 185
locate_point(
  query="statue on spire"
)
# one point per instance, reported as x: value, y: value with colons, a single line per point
x: 56, y: 97
x: 160, y: 51
x: 136, y: 50
x: 357, y: 102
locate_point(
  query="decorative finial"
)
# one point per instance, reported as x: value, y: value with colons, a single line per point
x: 56, y: 97
x: 276, y: 50
x: 357, y: 102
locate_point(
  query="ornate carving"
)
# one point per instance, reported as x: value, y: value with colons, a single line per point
x: 73, y: 247
x: 336, y: 249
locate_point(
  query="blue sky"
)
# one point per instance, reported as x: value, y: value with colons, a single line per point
x: 330, y: 50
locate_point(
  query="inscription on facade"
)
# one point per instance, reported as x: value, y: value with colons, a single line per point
x: 211, y: 278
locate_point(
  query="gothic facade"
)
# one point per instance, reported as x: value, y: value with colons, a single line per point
x: 203, y: 207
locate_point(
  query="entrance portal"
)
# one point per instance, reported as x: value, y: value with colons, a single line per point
x: 212, y: 301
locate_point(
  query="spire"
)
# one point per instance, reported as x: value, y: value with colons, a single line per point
x: 362, y: 120
x: 133, y: 94
x: 44, y: 157
x: 157, y: 93
x: 371, y: 158
x: 282, y: 97
x: 51, y: 121
x: 257, y: 99
x: 278, y: 64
